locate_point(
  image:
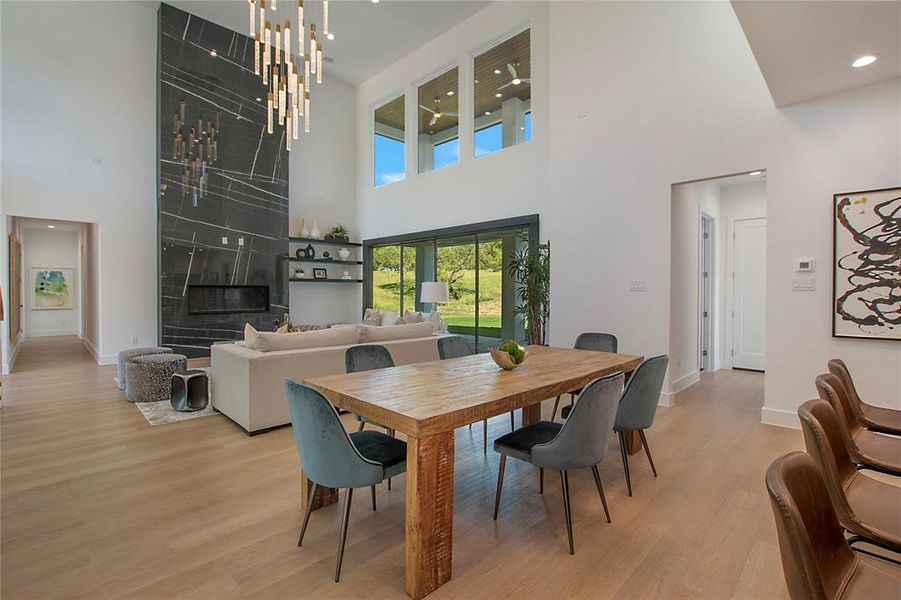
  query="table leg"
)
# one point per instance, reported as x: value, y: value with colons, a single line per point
x: 633, y: 442
x: 429, y: 513
x: 531, y: 414
x: 324, y: 495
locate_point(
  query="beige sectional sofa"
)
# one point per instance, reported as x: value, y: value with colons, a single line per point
x: 248, y: 382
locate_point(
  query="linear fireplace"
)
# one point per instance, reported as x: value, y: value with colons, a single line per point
x: 224, y: 299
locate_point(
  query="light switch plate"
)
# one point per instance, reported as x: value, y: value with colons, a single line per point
x: 224, y: 240
x: 636, y: 285
x: 804, y: 284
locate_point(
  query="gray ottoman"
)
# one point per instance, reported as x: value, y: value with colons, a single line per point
x: 190, y: 390
x: 149, y: 376
x: 124, y: 355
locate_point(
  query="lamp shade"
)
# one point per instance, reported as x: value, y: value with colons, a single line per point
x: 433, y: 291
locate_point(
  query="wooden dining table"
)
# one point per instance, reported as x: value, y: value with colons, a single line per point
x: 427, y: 402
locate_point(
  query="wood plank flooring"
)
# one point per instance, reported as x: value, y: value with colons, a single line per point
x: 98, y: 504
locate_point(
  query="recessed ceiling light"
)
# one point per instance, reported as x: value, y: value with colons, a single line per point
x: 259, y: 99
x: 375, y: 1
x: 498, y: 95
x: 487, y: 112
x: 450, y: 92
x: 477, y: 80
x: 755, y: 173
x: 863, y: 61
x: 330, y: 35
x: 213, y: 53
x: 516, y: 81
x: 497, y: 71
x: 51, y: 226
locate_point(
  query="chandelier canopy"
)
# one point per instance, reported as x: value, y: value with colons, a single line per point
x: 288, y: 60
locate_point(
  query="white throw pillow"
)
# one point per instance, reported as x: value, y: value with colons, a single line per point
x: 269, y: 342
x: 398, y: 332
x: 388, y: 317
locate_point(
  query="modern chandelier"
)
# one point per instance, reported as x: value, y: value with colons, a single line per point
x: 194, y: 148
x: 288, y: 75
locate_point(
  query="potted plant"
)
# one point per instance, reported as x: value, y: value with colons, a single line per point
x: 530, y: 267
x: 338, y: 233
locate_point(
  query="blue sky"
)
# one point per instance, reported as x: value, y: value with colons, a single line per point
x: 389, y: 160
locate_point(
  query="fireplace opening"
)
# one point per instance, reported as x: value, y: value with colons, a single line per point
x: 224, y: 299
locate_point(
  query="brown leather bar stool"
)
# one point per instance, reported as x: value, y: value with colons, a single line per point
x: 867, y: 448
x: 867, y: 508
x: 817, y: 562
x: 872, y: 417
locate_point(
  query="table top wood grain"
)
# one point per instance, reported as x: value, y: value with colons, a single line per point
x: 427, y: 398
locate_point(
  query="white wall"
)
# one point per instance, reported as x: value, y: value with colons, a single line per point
x: 630, y: 98
x: 322, y: 188
x: 50, y: 248
x: 78, y: 84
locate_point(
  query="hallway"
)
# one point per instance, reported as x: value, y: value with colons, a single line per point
x: 216, y: 511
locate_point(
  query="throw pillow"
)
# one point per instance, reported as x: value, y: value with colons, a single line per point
x: 372, y: 317
x: 413, y: 317
x: 284, y: 328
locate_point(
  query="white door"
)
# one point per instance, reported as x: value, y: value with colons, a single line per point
x: 749, y: 294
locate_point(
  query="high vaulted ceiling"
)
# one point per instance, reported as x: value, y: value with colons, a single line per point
x: 805, y: 49
x: 368, y: 36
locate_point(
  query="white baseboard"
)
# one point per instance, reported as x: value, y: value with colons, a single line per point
x: 11, y: 359
x: 780, y: 418
x: 91, y: 348
x: 666, y: 399
x: 685, y: 382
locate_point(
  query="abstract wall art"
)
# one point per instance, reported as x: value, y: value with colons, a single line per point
x: 867, y: 264
x: 52, y: 288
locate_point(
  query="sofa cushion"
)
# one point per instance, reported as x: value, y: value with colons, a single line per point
x: 388, y: 317
x: 396, y: 332
x: 266, y: 341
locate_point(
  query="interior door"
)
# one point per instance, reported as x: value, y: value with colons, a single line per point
x: 749, y: 294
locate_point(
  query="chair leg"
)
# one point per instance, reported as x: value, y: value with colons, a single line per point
x: 500, y: 484
x: 554, y: 412
x: 362, y: 425
x: 512, y: 422
x: 647, y: 450
x: 622, y: 450
x: 540, y: 480
x: 306, y: 514
x: 373, y: 497
x: 597, y: 481
x: 389, y: 484
x: 485, y: 436
x: 344, y: 519
x: 567, y: 509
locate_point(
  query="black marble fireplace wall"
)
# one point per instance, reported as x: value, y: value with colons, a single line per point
x: 237, y: 233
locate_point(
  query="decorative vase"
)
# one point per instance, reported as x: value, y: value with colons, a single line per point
x: 316, y: 234
x: 304, y: 230
x: 310, y: 251
x: 344, y: 253
x: 504, y: 360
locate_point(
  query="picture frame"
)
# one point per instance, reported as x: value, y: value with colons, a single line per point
x: 866, y: 299
x: 52, y: 288
x: 320, y: 274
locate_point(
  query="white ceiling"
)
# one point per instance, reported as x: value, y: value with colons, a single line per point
x: 368, y: 37
x: 805, y: 49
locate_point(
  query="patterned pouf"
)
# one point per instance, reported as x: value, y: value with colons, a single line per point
x: 124, y: 355
x: 149, y: 376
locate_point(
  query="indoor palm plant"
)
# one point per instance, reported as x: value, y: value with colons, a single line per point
x: 530, y: 267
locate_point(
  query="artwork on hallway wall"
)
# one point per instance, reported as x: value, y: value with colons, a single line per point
x: 867, y: 264
x: 52, y: 288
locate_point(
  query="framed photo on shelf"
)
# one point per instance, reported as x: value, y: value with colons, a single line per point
x: 320, y: 274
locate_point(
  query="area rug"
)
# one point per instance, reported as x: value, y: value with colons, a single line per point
x: 162, y: 413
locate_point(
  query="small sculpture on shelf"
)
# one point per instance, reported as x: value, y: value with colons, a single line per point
x: 304, y: 230
x: 346, y: 275
x: 316, y: 234
x: 308, y: 253
x: 343, y: 253
x: 298, y: 273
x: 338, y: 233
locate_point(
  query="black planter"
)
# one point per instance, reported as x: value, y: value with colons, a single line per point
x: 333, y: 238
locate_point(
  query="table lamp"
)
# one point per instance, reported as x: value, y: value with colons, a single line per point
x: 433, y: 292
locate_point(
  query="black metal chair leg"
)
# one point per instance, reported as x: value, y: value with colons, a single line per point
x: 373, y: 497
x: 485, y: 436
x: 306, y: 514
x: 554, y: 412
x: 647, y: 450
x: 567, y: 508
x: 389, y: 483
x: 500, y: 484
x: 344, y: 519
x: 512, y: 422
x: 362, y: 425
x: 540, y: 481
x: 597, y: 481
x: 622, y: 450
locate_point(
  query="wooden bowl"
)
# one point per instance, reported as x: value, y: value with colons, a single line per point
x: 504, y: 360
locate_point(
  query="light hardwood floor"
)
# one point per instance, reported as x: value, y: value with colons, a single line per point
x: 98, y: 504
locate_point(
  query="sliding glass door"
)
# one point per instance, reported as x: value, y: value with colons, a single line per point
x: 473, y: 261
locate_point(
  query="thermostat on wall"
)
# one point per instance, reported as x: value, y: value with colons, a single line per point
x: 805, y: 264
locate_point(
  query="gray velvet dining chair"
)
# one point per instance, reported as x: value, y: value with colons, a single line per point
x: 333, y: 458
x: 597, y: 342
x: 455, y: 346
x: 638, y: 407
x: 580, y: 443
x: 368, y: 357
